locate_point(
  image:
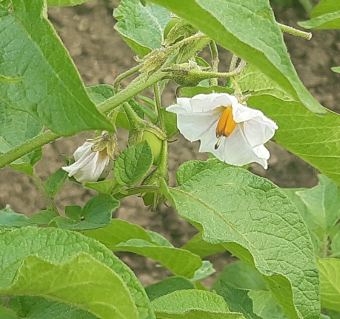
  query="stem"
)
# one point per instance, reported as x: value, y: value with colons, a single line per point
x: 124, y: 75
x: 307, y: 5
x: 296, y: 32
x: 233, y: 63
x: 144, y: 81
x: 27, y: 147
x: 135, y: 121
x: 48, y: 198
x: 215, y: 61
x: 159, y: 106
x: 137, y: 190
x: 207, y: 75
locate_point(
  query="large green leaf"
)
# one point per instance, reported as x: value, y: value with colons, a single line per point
x: 254, y: 219
x: 141, y: 26
x: 330, y: 283
x: 133, y: 163
x: 82, y: 281
x: 249, y: 30
x: 314, y: 138
x: 192, y: 304
x: 38, y: 307
x: 56, y: 247
x: 50, y: 84
x: 326, y: 15
x: 120, y: 235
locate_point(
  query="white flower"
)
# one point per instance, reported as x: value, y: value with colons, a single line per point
x: 234, y: 133
x: 93, y: 160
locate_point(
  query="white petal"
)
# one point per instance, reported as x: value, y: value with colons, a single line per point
x: 209, y: 102
x: 259, y: 130
x: 242, y: 113
x: 83, y: 150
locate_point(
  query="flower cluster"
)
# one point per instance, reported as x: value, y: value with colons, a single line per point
x: 231, y: 131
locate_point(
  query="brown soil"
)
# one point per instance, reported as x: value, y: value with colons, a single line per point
x: 100, y: 55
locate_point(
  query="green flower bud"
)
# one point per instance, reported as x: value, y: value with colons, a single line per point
x: 155, y: 143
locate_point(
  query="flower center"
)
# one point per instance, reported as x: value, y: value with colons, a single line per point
x: 225, y: 126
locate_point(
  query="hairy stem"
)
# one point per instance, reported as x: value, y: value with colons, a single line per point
x: 27, y: 147
x: 124, y: 75
x: 296, y: 32
x: 215, y: 61
x: 48, y: 198
x: 137, y: 190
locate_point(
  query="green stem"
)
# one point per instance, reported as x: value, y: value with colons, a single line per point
x: 136, y: 123
x: 124, y: 75
x: 49, y: 200
x: 144, y: 81
x: 296, y: 32
x: 27, y: 147
x: 307, y: 5
x: 215, y: 61
x: 137, y: 190
x: 159, y: 106
x: 233, y: 63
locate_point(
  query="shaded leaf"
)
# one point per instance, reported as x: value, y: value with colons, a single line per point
x: 37, y: 307
x: 55, y: 182
x: 167, y: 286
x: 96, y: 213
x: 242, y: 276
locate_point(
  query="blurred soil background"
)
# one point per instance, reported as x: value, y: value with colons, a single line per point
x: 100, y: 55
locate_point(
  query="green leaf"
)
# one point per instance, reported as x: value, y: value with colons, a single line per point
x: 192, y: 91
x: 199, y: 314
x: 330, y: 283
x: 37, y: 307
x: 237, y: 300
x: 43, y: 218
x: 59, y: 3
x: 336, y: 69
x: 167, y: 286
x: 240, y: 275
x: 141, y: 26
x: 55, y: 181
x: 256, y: 39
x: 265, y: 306
x: 204, y: 271
x: 9, y: 218
x: 170, y: 121
x: 59, y: 247
x: 74, y: 212
x: 103, y: 187
x: 326, y: 15
x: 202, y: 248
x: 83, y: 282
x: 50, y: 82
x: 182, y: 301
x: 96, y: 213
x: 335, y: 245
x: 133, y: 164
x: 257, y: 223
x: 7, y: 313
x: 314, y: 138
x: 120, y: 235
x: 323, y: 202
